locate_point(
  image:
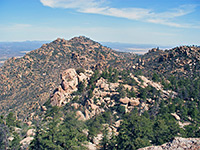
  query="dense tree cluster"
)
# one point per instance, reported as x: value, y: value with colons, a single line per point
x: 59, y: 133
x: 7, y: 129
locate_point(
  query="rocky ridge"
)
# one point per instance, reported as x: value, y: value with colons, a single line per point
x: 180, y: 61
x: 26, y: 83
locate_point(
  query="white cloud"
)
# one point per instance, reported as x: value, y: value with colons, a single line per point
x: 176, y: 12
x: 168, y: 23
x: 141, y: 14
x: 129, y: 13
x: 78, y: 4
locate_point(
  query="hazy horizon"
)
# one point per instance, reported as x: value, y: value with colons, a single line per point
x: 165, y: 22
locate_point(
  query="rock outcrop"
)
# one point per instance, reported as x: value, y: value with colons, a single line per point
x: 30, y: 133
x: 177, y: 144
x: 70, y: 80
x: 104, y: 94
x: 26, y: 142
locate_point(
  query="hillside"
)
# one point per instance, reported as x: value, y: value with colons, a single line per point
x: 180, y: 61
x: 78, y: 93
x: 27, y: 82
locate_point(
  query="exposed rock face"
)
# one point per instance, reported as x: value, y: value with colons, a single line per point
x: 179, y: 144
x: 117, y: 123
x: 44, y: 108
x: 177, y: 117
x: 180, y: 61
x: 30, y: 132
x: 69, y: 80
x: 25, y: 83
x: 124, y: 100
x: 146, y: 82
x: 25, y: 142
x: 59, y: 97
x: 69, y: 84
x: 183, y: 124
x: 82, y: 77
x: 80, y: 115
x: 134, y: 102
x: 103, y: 96
x: 90, y: 146
x: 75, y: 105
x: 97, y: 139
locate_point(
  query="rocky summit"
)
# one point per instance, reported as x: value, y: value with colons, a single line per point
x: 76, y: 94
x: 27, y: 82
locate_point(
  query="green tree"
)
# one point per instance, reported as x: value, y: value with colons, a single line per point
x: 105, y: 140
x: 4, y: 136
x: 156, y: 77
x: 134, y: 132
x: 15, y: 143
x: 143, y: 93
x: 165, y: 128
x: 122, y: 92
x: 60, y: 135
x: 81, y: 86
x: 10, y: 119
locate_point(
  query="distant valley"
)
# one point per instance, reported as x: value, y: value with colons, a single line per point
x: 17, y: 49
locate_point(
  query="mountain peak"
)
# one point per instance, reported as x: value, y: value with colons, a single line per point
x: 75, y: 40
x: 59, y: 40
x: 82, y: 39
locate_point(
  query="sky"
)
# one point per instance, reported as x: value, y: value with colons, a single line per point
x: 161, y: 22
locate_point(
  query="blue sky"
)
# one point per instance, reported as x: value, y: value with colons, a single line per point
x: 162, y: 22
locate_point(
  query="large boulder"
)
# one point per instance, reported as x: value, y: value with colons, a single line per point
x: 90, y: 146
x: 177, y: 117
x: 124, y: 100
x: 178, y: 143
x: 113, y: 86
x: 134, y: 102
x: 97, y: 139
x: 94, y: 107
x: 59, y: 97
x: 75, y: 105
x: 102, y: 83
x: 30, y: 132
x: 26, y: 142
x: 82, y: 77
x: 80, y: 115
x: 69, y: 80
